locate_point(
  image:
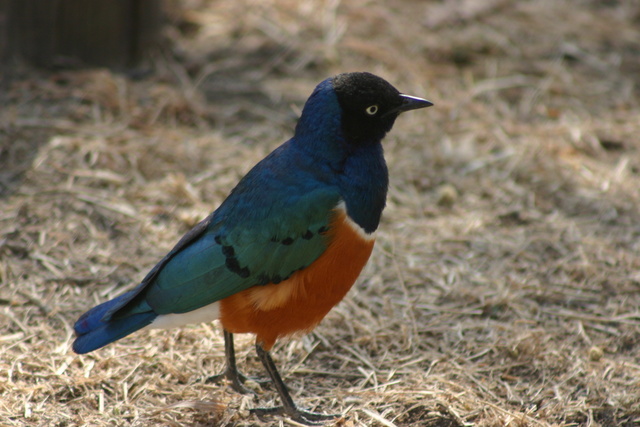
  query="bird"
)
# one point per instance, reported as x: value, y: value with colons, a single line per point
x: 287, y: 243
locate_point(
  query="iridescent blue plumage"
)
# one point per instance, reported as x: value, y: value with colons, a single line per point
x: 275, y: 222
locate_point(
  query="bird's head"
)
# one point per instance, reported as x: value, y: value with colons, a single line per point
x: 355, y: 108
x: 370, y: 106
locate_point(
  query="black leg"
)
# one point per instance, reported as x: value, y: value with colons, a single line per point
x: 231, y: 372
x: 288, y: 407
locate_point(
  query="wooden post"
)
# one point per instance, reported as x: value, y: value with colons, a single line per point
x: 112, y: 33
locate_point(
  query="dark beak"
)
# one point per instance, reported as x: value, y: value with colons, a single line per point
x: 409, y: 103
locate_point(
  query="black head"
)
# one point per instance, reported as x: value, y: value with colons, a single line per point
x: 370, y: 106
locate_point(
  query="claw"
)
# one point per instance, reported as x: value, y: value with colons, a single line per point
x: 296, y: 414
x: 231, y: 373
x: 238, y: 381
x: 235, y: 378
x: 288, y: 407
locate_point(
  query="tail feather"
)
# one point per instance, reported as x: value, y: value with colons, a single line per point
x: 96, y: 328
x: 111, y: 331
x: 96, y: 317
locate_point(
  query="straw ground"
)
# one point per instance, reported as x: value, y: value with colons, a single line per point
x: 505, y: 285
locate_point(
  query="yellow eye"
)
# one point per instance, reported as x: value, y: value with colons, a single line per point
x: 372, y: 110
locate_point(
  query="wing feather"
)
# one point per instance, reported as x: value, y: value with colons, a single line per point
x: 227, y: 258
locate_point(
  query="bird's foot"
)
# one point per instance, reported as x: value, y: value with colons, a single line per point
x: 238, y: 381
x: 296, y: 414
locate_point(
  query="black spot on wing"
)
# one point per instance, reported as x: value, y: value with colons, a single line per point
x: 234, y: 266
x: 289, y: 240
x: 228, y: 251
x: 265, y: 279
x: 231, y: 262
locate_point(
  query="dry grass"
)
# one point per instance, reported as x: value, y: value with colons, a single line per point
x: 505, y: 286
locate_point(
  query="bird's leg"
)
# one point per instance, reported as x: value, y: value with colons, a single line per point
x: 231, y: 372
x: 288, y: 407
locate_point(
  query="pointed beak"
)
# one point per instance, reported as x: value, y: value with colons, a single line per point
x: 412, y: 103
x: 409, y: 103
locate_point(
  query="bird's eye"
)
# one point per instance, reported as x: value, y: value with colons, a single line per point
x: 372, y: 110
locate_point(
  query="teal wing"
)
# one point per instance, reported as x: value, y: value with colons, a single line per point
x: 235, y: 250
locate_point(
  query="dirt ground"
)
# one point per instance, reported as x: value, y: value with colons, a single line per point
x: 504, y: 289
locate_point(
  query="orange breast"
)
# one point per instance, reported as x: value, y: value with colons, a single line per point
x: 299, y: 303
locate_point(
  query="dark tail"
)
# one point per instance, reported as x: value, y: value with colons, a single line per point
x: 96, y: 328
